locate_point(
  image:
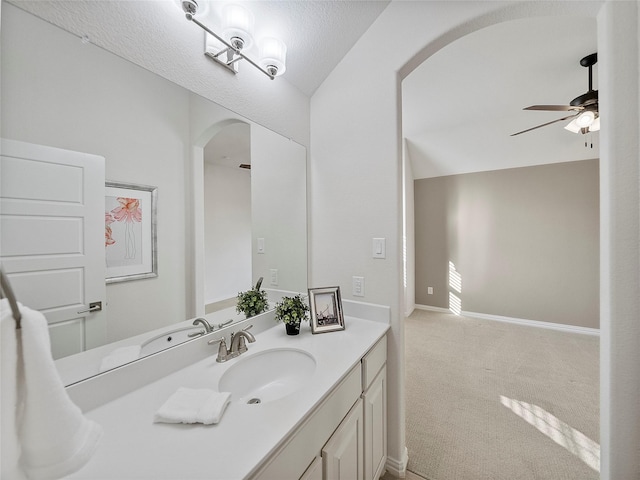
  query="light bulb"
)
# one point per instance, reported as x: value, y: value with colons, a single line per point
x: 238, y: 24
x: 273, y: 55
x: 585, y: 119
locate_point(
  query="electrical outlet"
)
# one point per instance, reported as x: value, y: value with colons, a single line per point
x: 274, y: 276
x: 429, y: 290
x: 358, y: 287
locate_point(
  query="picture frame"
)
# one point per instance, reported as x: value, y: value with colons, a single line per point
x: 130, y: 232
x: 325, y: 306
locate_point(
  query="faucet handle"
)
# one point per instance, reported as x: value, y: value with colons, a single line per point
x: 222, y: 349
x: 242, y: 345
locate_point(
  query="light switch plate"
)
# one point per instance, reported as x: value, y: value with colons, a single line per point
x: 379, y: 248
x: 260, y: 245
x: 358, y: 287
x: 274, y: 276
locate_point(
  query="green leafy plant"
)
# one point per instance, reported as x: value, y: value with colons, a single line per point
x: 252, y: 302
x: 291, y: 310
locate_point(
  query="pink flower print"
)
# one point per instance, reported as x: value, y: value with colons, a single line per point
x: 108, y: 239
x: 108, y: 233
x: 128, y: 211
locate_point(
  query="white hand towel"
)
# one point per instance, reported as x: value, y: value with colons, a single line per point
x: 120, y: 356
x: 10, y: 451
x: 190, y: 405
x: 55, y: 438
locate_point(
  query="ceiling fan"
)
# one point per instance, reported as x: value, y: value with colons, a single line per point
x: 584, y: 107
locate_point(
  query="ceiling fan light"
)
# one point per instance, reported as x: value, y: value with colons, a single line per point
x: 595, y: 126
x: 585, y: 119
x: 238, y: 24
x: 572, y: 126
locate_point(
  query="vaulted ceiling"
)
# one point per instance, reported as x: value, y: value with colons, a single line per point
x: 459, y: 107
x: 463, y: 103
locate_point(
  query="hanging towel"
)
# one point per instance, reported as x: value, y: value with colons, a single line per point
x: 55, y: 439
x: 120, y: 356
x: 10, y: 451
x: 190, y: 405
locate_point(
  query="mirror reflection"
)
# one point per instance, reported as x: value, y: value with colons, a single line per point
x: 215, y: 236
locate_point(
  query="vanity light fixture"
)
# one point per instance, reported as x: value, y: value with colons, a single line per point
x: 237, y: 37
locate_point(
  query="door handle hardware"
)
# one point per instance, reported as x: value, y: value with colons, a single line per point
x: 93, y: 307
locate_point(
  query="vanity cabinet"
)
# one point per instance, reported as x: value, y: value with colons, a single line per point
x: 345, y: 438
x: 374, y: 399
x: 375, y: 427
x: 343, y: 454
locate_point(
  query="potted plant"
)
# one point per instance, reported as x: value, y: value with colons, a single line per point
x: 291, y: 311
x: 252, y: 302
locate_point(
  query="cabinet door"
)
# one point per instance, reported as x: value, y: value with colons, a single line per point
x: 375, y: 427
x: 314, y: 472
x: 343, y: 455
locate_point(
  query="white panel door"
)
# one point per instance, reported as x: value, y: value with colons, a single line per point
x: 52, y: 239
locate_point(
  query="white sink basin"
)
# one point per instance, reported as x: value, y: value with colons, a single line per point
x: 268, y: 375
x: 168, y: 339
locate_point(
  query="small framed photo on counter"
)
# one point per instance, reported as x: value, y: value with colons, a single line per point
x: 326, y: 309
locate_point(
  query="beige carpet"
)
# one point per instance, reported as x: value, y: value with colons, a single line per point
x: 490, y: 400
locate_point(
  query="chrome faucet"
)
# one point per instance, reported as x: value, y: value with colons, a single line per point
x: 238, y: 345
x: 201, y: 321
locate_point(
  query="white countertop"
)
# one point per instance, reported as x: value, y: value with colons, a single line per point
x: 133, y: 447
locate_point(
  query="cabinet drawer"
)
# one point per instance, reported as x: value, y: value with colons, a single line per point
x: 373, y: 361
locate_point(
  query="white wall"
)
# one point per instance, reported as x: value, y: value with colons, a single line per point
x: 278, y: 207
x: 409, y: 233
x: 355, y: 179
x: 619, y: 58
x: 227, y: 231
x: 59, y: 92
x: 275, y: 104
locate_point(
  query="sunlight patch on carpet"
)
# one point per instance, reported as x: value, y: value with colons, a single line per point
x: 563, y: 434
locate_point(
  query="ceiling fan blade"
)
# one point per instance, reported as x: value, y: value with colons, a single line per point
x: 544, y: 124
x: 554, y: 108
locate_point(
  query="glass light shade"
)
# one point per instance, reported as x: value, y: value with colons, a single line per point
x: 585, y: 119
x: 273, y: 53
x: 595, y: 126
x: 572, y: 126
x: 238, y: 22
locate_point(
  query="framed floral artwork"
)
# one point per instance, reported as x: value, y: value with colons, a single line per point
x: 326, y: 309
x: 130, y: 238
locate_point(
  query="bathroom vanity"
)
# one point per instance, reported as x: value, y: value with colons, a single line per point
x: 305, y: 406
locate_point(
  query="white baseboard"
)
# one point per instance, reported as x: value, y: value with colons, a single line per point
x: 535, y: 323
x: 433, y: 309
x: 398, y: 468
x: 519, y: 321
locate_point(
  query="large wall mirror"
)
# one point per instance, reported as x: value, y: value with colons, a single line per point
x: 231, y: 201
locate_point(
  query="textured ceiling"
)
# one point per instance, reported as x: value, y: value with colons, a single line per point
x: 318, y: 33
x: 461, y: 105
